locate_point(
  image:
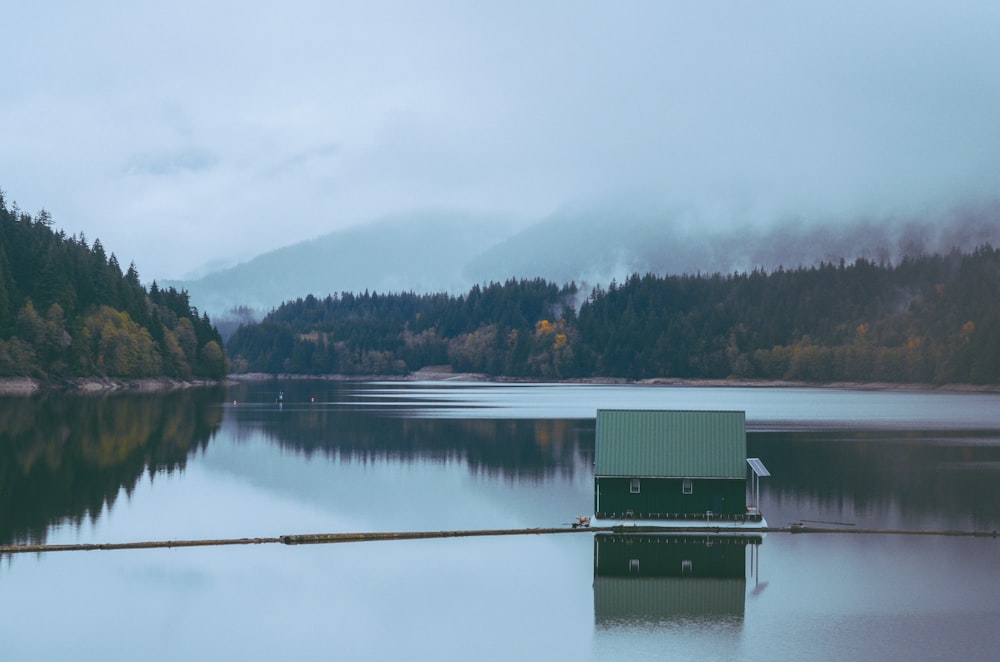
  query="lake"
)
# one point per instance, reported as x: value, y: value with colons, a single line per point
x: 352, y: 457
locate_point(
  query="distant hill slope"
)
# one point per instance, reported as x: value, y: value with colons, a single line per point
x: 594, y: 247
x: 931, y: 319
x: 442, y: 252
x: 426, y: 252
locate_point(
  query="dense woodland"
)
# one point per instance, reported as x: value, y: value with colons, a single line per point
x: 932, y: 318
x: 67, y: 310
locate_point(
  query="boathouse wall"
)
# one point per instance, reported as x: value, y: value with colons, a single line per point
x: 668, y: 498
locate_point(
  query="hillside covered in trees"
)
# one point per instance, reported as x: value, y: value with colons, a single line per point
x: 932, y: 319
x: 67, y: 310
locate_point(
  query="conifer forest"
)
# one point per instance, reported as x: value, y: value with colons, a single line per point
x: 68, y: 310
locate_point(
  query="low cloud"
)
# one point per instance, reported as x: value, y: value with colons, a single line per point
x: 199, y: 133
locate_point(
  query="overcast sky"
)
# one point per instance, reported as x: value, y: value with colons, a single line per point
x: 181, y: 133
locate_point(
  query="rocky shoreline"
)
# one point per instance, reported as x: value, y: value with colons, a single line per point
x: 19, y: 386
x: 31, y: 386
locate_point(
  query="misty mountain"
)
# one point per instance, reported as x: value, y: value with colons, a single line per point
x: 595, y: 248
x: 437, y: 252
x: 425, y: 252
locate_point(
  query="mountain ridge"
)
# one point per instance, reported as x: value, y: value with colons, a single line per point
x: 447, y: 251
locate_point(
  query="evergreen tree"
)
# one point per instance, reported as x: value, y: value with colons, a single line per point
x: 66, y: 309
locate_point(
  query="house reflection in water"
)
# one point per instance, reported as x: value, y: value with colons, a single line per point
x: 648, y: 578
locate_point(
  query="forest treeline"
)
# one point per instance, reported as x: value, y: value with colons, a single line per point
x: 68, y: 310
x: 932, y: 318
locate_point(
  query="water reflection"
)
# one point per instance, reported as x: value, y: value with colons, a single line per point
x: 938, y: 477
x: 339, y: 463
x: 651, y: 579
x: 881, y: 478
x: 326, y: 419
x: 66, y: 458
x: 766, y: 408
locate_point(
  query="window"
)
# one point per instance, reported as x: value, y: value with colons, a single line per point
x: 633, y: 566
x: 687, y: 487
x: 634, y: 486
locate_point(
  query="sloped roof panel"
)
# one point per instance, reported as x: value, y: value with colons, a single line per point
x: 676, y: 444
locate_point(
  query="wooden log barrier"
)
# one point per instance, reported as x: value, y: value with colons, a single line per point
x: 323, y: 538
x: 328, y: 538
x: 886, y: 532
x: 155, y: 544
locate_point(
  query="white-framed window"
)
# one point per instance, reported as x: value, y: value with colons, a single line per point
x: 633, y: 566
x: 633, y: 486
x: 686, y: 486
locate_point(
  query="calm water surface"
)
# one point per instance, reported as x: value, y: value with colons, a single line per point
x: 399, y: 457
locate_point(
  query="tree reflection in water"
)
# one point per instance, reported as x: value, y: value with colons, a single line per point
x: 65, y: 457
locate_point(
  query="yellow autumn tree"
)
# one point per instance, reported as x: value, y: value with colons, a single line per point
x: 120, y: 347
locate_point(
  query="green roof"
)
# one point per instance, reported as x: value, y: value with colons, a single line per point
x: 673, y: 444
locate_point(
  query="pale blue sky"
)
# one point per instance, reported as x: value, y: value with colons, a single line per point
x: 187, y: 132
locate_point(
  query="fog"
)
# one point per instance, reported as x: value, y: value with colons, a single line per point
x: 192, y: 135
x: 591, y: 247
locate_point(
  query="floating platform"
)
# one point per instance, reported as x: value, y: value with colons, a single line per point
x: 689, y: 525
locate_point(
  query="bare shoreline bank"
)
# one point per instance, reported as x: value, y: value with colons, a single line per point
x: 27, y: 386
x: 436, y: 375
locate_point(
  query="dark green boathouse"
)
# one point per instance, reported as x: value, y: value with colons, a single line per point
x: 668, y: 465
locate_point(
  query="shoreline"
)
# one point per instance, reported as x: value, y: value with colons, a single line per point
x: 28, y: 386
x: 438, y: 375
